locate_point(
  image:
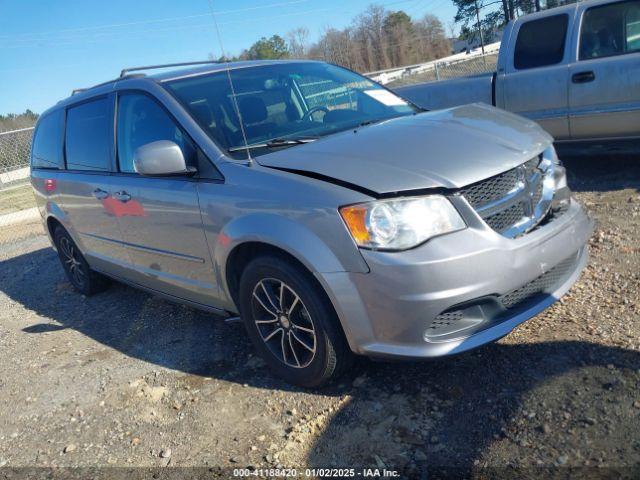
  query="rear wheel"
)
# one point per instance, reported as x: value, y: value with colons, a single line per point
x: 291, y: 322
x: 83, y: 279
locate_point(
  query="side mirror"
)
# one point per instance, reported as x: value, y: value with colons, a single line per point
x: 161, y: 158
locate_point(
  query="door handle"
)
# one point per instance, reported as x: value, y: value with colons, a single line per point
x: 100, y: 194
x: 122, y: 196
x: 583, y: 77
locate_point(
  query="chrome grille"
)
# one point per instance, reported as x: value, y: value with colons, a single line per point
x: 492, y: 189
x: 514, y: 202
x: 495, y: 188
x: 506, y: 218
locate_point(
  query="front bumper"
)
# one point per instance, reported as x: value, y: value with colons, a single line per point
x: 389, y: 312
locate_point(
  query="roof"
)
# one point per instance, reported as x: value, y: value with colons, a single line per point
x: 563, y: 9
x: 165, y: 75
x: 217, y: 67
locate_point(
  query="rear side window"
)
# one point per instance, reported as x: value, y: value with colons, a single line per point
x: 609, y: 30
x: 541, y: 42
x: 47, y: 142
x: 142, y: 120
x: 87, y: 136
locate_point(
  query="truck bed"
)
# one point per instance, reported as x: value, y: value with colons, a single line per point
x: 451, y: 93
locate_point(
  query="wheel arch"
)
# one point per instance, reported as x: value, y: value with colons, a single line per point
x: 243, y: 254
x: 256, y: 233
x: 53, y: 223
x: 54, y: 216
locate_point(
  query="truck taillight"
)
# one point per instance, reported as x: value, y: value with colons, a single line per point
x: 50, y: 185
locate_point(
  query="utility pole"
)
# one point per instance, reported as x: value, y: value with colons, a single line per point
x: 537, y: 5
x: 479, y: 26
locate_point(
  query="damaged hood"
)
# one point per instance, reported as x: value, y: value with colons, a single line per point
x: 441, y: 149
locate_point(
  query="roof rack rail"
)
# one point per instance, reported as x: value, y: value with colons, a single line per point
x: 108, y: 82
x: 126, y: 71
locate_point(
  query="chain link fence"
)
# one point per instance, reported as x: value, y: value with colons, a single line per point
x: 15, y: 151
x: 458, y: 65
x: 19, y: 218
x: 447, y: 70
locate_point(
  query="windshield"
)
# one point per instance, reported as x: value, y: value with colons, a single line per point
x: 281, y: 102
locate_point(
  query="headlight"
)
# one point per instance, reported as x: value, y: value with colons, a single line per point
x: 401, y: 223
x: 562, y: 193
x: 551, y: 154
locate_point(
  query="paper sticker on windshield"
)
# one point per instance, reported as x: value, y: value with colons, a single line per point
x: 386, y: 97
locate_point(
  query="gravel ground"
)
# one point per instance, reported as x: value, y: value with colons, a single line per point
x: 125, y: 379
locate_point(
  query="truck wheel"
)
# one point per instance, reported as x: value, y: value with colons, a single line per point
x: 83, y: 279
x: 291, y: 322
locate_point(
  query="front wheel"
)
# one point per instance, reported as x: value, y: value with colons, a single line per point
x: 291, y: 322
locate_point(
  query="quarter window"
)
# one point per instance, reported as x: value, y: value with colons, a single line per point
x: 47, y: 142
x: 541, y: 42
x: 609, y: 30
x: 140, y: 121
x: 87, y: 136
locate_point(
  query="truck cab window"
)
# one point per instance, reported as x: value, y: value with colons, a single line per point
x: 541, y: 42
x: 609, y: 30
x: 140, y: 121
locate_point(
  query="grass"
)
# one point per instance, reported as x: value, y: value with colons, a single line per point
x: 14, y: 199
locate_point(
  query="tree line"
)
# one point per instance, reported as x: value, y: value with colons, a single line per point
x: 493, y: 20
x: 14, y: 121
x: 376, y: 39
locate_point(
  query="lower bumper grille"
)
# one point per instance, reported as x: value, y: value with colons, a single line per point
x: 547, y: 282
x: 484, y: 312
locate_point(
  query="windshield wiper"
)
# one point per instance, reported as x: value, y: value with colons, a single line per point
x: 372, y: 121
x: 276, y: 143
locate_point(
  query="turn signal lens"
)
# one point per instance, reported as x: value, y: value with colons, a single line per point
x: 355, y: 218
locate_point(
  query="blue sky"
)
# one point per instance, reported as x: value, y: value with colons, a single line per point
x: 48, y: 48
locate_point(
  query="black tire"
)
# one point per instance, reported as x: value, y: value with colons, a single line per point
x: 331, y: 354
x: 78, y: 272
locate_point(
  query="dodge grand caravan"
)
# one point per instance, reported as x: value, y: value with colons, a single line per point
x: 332, y: 215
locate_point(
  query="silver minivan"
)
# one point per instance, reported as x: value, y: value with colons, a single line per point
x: 330, y: 214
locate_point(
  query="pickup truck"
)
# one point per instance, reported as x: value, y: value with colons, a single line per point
x: 574, y: 69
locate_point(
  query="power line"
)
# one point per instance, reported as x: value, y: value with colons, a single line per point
x: 169, y: 19
x: 93, y: 37
x: 159, y: 20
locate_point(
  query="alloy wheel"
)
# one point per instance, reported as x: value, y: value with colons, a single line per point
x: 283, y: 322
x: 72, y: 262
